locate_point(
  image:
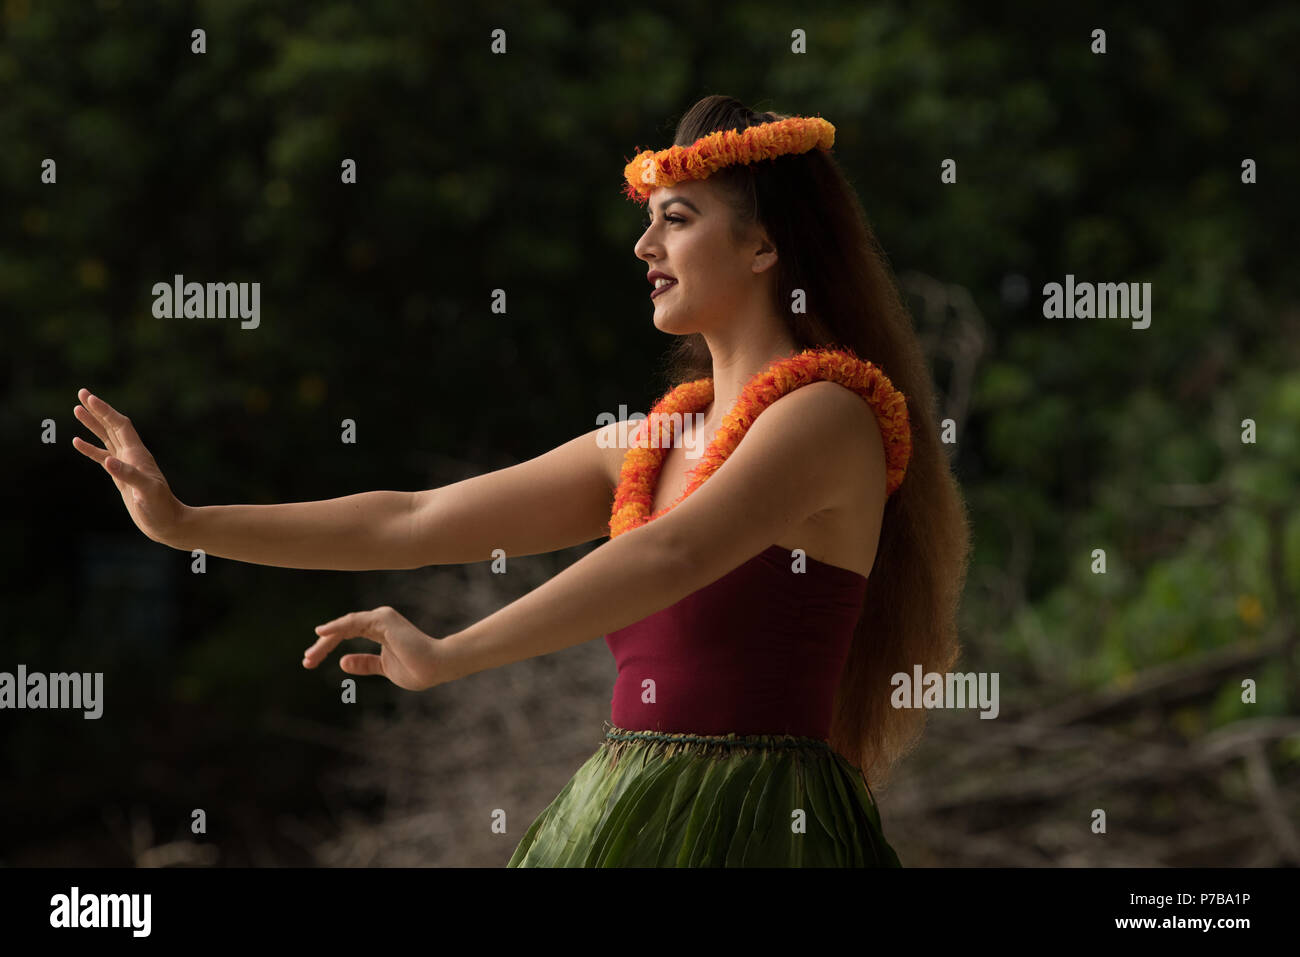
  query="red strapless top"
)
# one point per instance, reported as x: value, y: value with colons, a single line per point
x: 760, y: 650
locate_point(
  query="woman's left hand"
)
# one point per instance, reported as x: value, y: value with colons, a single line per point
x: 407, y: 656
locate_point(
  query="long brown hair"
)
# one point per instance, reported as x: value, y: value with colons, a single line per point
x: 827, y: 248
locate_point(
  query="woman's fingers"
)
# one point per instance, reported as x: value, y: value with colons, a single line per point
x: 362, y: 664
x: 107, y: 423
x: 116, y: 467
x: 97, y: 409
x: 88, y: 450
x: 357, y: 624
x: 118, y: 470
x: 406, y: 653
x: 87, y: 418
x: 119, y: 428
x: 320, y: 650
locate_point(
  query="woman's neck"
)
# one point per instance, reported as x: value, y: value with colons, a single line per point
x: 736, y: 361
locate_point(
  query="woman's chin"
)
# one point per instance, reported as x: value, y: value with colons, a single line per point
x: 665, y: 322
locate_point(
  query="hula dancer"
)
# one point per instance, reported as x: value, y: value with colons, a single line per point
x: 748, y: 714
x: 757, y: 602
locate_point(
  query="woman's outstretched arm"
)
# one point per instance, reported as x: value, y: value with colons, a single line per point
x: 558, y: 499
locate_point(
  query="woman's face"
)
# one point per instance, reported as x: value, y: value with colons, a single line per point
x: 690, y: 238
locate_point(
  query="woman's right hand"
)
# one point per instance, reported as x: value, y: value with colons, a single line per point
x: 148, y: 497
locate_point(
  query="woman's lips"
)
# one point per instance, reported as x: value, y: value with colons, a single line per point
x: 664, y: 288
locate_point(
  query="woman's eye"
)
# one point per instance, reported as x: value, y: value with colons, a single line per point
x: 672, y: 219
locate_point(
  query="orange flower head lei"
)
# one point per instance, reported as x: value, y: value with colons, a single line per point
x: 651, y: 169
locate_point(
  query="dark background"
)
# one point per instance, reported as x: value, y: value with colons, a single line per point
x: 479, y: 171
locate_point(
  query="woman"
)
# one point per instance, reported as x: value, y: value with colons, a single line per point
x: 754, y: 629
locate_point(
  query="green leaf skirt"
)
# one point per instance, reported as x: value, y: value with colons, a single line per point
x: 648, y: 799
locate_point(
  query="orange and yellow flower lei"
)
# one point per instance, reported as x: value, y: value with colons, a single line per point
x: 634, y: 497
x: 651, y: 169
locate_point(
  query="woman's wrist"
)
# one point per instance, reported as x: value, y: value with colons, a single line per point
x: 184, y: 531
x: 456, y: 657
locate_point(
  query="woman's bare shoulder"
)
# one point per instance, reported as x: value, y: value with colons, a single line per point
x: 858, y: 446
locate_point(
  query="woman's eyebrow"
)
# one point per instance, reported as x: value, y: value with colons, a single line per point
x: 676, y: 199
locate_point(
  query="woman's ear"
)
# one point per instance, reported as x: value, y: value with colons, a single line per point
x: 765, y: 256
